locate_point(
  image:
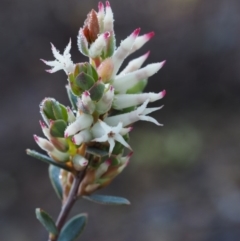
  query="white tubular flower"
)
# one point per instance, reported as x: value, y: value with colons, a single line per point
x: 44, y: 144
x: 124, y: 82
x: 82, y: 42
x: 102, y: 169
x: 52, y: 151
x: 85, y: 104
x: 108, y: 19
x: 98, y: 45
x: 123, y: 51
x: 82, y: 122
x: 82, y: 137
x: 103, y: 132
x: 141, y: 40
x: 122, y: 101
x: 79, y: 162
x: 71, y: 116
x: 100, y: 15
x: 134, y: 116
x: 45, y: 130
x: 62, y: 61
x: 134, y: 64
x: 105, y: 103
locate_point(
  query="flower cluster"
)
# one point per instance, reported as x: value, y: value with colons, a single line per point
x: 93, y: 134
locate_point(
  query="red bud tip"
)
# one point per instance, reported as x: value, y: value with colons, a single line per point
x: 106, y: 35
x: 68, y: 109
x: 100, y: 6
x: 49, y: 71
x: 163, y: 93
x: 130, y: 154
x: 163, y: 63
x: 111, y: 88
x: 51, y: 122
x: 149, y: 35
x: 130, y: 128
x: 42, y: 124
x: 35, y: 138
x: 108, y: 162
x: 136, y: 32
x: 85, y: 163
x: 108, y: 4
x: 53, y: 47
x: 86, y: 93
x: 66, y: 135
x: 147, y: 54
x: 73, y: 140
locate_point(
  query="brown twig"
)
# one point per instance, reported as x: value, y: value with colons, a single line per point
x: 66, y: 208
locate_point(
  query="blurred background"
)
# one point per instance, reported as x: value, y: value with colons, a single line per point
x: 184, y: 178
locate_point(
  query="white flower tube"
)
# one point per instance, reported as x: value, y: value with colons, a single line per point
x: 71, y: 116
x: 108, y: 19
x: 123, y: 50
x: 122, y: 101
x: 134, y: 64
x: 45, y: 130
x: 141, y: 40
x: 99, y: 44
x: 81, y: 137
x: 83, y: 121
x: 100, y: 15
x: 85, y: 104
x: 133, y: 116
x: 79, y: 162
x: 105, y: 103
x: 124, y: 82
x: 52, y: 151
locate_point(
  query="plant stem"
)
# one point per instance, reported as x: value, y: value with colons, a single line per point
x: 66, y: 208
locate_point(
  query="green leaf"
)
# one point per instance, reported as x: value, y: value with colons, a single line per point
x: 94, y: 73
x: 107, y: 200
x: 47, y: 159
x: 96, y: 92
x: 64, y: 112
x: 84, y: 81
x: 73, y: 228
x: 57, y: 110
x: 110, y: 46
x: 57, y: 128
x: 97, y: 152
x: 74, y: 88
x: 54, y: 173
x: 61, y: 144
x: 46, y: 109
x: 46, y: 221
x: 138, y: 88
x: 72, y: 98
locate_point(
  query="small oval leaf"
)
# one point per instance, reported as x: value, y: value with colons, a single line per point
x: 107, y: 200
x: 96, y: 92
x: 84, y: 81
x: 46, y: 221
x: 73, y: 228
x: 54, y: 173
x: 57, y: 128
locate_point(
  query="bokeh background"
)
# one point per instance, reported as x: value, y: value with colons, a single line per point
x: 184, y: 178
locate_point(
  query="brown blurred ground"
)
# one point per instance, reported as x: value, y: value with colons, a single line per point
x: 184, y: 178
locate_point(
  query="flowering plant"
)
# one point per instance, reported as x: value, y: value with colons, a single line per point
x: 85, y: 143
